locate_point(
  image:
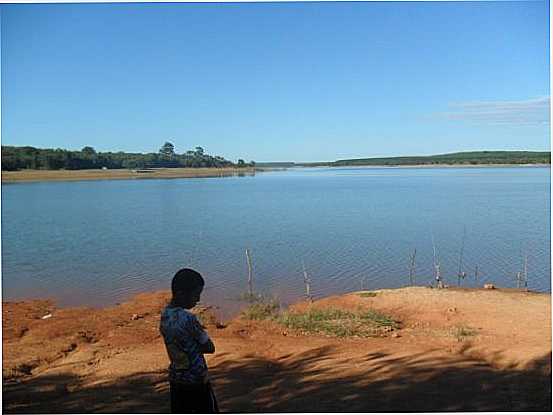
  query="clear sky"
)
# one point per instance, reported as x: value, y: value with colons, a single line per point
x: 278, y: 81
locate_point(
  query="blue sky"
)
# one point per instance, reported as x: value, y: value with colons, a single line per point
x: 278, y: 81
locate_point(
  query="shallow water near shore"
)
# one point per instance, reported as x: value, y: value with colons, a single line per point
x: 96, y: 243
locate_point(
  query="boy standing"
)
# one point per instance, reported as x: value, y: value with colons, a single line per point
x: 186, y: 343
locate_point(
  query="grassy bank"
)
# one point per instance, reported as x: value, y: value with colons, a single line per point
x: 114, y: 174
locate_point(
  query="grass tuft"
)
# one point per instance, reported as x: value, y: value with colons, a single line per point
x: 262, y: 309
x: 367, y: 294
x: 339, y: 323
x: 462, y: 332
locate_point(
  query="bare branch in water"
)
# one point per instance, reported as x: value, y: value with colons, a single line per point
x: 460, y: 273
x: 412, y: 267
x: 250, y: 273
x: 307, y: 282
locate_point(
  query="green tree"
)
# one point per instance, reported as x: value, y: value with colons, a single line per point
x: 167, y: 151
x: 241, y: 163
x: 15, y: 158
x: 89, y: 151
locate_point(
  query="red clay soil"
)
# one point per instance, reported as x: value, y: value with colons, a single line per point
x: 456, y: 350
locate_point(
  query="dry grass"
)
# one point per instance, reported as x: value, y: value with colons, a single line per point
x: 114, y: 174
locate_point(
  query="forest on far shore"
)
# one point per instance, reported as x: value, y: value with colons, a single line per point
x: 460, y: 158
x: 466, y: 157
x: 17, y: 158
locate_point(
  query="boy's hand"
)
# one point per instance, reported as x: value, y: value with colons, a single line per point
x: 207, y: 348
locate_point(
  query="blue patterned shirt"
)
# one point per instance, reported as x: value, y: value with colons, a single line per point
x: 183, y: 335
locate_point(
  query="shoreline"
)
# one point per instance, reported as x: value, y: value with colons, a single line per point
x: 33, y: 176
x: 492, y: 346
x: 28, y: 176
x: 229, y: 316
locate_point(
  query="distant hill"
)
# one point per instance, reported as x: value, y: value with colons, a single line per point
x: 468, y: 157
x: 461, y: 158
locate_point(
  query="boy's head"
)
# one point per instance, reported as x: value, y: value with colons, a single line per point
x: 186, y: 286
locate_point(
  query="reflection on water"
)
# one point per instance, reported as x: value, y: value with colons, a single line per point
x: 98, y: 242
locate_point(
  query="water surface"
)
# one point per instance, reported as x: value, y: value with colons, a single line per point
x: 99, y: 242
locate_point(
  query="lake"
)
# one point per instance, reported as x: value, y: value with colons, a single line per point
x: 97, y: 243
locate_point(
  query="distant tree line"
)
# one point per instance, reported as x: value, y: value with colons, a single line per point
x: 468, y: 157
x: 16, y: 158
x: 462, y: 158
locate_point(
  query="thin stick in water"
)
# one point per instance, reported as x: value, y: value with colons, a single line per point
x: 436, y: 266
x: 412, y: 268
x: 460, y: 273
x: 250, y: 273
x: 307, y: 282
x: 525, y: 271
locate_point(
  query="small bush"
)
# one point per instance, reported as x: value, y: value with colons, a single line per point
x: 262, y: 309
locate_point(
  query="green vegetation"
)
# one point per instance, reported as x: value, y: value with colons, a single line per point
x: 367, y: 294
x: 332, y: 322
x: 339, y: 323
x: 262, y: 310
x: 462, y: 158
x: 469, y: 157
x: 261, y: 307
x: 461, y: 332
x: 16, y: 158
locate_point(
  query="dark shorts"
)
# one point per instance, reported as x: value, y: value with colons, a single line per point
x: 192, y: 398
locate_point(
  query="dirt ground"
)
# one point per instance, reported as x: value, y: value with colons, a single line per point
x: 456, y: 350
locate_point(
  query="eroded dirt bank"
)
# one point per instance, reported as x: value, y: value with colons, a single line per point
x: 455, y: 350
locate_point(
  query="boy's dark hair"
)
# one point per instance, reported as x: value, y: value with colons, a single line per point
x: 186, y: 280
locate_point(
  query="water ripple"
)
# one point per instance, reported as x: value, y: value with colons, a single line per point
x: 100, y: 242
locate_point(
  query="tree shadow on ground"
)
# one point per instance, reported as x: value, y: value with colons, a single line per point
x: 308, y: 383
x: 66, y: 393
x: 416, y: 383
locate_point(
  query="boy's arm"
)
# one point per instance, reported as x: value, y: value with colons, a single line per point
x: 206, y: 345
